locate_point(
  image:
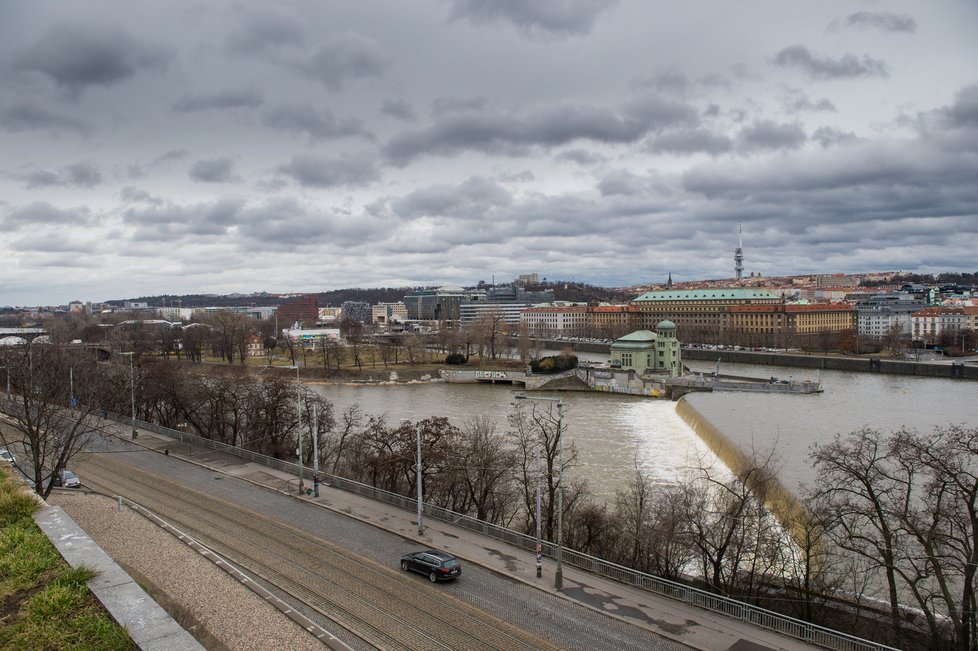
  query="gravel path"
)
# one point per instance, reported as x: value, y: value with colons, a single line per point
x: 219, y: 611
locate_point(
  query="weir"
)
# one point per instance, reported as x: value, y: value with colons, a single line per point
x: 787, y: 508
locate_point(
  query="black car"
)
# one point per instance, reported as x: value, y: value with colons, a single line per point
x: 437, y: 566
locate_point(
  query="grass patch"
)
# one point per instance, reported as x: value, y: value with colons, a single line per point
x: 45, y: 603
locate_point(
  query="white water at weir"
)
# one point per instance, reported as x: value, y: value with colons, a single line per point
x: 612, y: 432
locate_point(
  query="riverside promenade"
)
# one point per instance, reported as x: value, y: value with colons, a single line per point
x: 688, y: 625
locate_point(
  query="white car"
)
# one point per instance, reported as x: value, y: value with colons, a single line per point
x: 8, y: 456
x: 67, y: 479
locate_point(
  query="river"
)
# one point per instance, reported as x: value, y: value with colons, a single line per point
x: 613, y: 432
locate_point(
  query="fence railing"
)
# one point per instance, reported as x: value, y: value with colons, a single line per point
x: 770, y: 620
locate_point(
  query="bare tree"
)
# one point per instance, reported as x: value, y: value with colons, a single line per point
x: 487, y: 471
x: 55, y: 394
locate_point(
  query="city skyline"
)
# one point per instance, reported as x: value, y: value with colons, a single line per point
x: 291, y: 147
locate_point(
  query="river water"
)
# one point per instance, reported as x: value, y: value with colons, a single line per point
x: 614, y: 432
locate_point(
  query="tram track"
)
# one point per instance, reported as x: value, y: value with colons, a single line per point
x: 372, y: 601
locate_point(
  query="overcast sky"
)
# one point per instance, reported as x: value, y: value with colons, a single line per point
x: 184, y: 147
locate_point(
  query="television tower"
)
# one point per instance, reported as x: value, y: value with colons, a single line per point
x: 739, y: 252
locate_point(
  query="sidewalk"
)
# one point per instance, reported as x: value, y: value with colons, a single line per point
x: 697, y: 628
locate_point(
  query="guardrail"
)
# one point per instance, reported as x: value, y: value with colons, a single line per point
x: 783, y: 624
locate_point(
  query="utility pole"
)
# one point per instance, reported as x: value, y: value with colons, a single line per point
x: 417, y: 431
x: 539, y: 542
x: 558, y: 554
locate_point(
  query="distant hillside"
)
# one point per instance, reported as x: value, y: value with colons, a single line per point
x: 563, y: 291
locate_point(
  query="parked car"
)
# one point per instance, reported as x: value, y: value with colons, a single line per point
x: 437, y: 566
x: 8, y: 456
x: 67, y: 479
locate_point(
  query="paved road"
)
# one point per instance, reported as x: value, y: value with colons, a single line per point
x: 305, y: 548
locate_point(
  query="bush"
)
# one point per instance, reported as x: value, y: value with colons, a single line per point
x: 456, y: 358
x: 553, y: 364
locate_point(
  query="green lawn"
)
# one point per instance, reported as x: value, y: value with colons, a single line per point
x: 44, y: 603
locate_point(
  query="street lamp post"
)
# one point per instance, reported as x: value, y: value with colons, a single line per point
x: 132, y: 390
x: 558, y: 554
x: 417, y: 431
x: 298, y: 413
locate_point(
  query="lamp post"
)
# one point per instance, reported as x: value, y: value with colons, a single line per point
x: 417, y: 431
x: 132, y: 390
x: 558, y: 554
x: 298, y: 413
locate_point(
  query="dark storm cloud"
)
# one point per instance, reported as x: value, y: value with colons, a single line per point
x: 171, y: 223
x: 345, y: 58
x: 28, y: 116
x: 77, y: 56
x: 766, y: 134
x: 442, y: 105
x: 691, y: 141
x: 81, y: 174
x: 849, y: 66
x: 214, y: 170
x: 41, y: 213
x: 316, y: 124
x: 321, y: 172
x: 225, y: 99
x: 473, y: 198
x: 540, y: 17
x: 512, y: 135
x: 399, y: 108
x: 876, y: 20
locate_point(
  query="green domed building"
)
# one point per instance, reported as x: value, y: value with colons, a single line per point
x: 648, y: 352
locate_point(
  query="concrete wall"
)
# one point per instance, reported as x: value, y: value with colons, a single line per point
x: 857, y: 364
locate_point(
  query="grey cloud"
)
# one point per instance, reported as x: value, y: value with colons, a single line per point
x: 56, y: 242
x: 766, y: 134
x: 582, y: 157
x: 214, y: 170
x: 399, y: 108
x: 316, y: 171
x: 473, y: 198
x: 540, y: 17
x: 512, y: 135
x: 691, y: 141
x: 171, y: 156
x: 621, y: 182
x: 849, y: 66
x: 225, y: 99
x: 964, y: 111
x: 27, y: 116
x: 877, y: 20
x: 41, y: 213
x: 266, y: 31
x: 829, y: 137
x: 84, y: 174
x: 315, y: 124
x: 517, y: 177
x: 131, y: 194
x: 174, y: 222
x: 345, y: 58
x: 798, y: 102
x: 76, y: 56
x: 81, y: 174
x: 284, y: 224
x: 442, y: 105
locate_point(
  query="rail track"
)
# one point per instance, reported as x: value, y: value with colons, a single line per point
x: 372, y: 601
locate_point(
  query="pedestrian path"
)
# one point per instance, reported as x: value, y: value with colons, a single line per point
x: 689, y: 625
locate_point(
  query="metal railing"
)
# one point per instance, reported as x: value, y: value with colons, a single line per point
x: 770, y: 620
